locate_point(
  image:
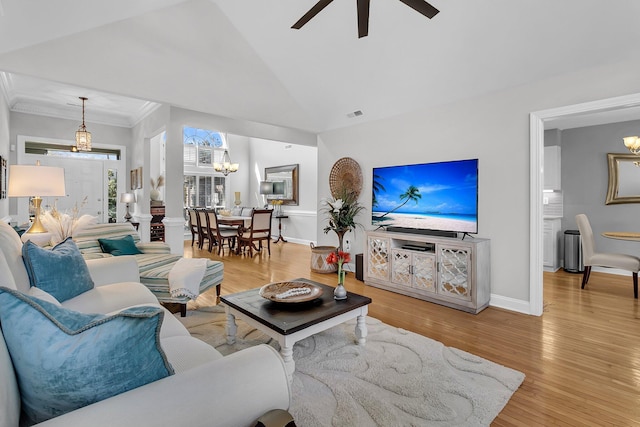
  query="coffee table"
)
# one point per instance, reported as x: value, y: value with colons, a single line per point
x: 290, y: 323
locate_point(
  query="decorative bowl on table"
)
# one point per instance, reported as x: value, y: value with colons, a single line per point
x: 290, y: 292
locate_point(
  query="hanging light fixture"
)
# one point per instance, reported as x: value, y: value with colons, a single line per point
x: 632, y: 143
x: 83, y: 136
x: 226, y: 167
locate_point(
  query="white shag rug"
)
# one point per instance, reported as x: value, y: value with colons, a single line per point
x: 398, y: 378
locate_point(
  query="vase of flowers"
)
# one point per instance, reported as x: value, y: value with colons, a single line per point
x: 339, y: 258
x: 277, y: 206
x: 341, y: 213
x: 62, y: 225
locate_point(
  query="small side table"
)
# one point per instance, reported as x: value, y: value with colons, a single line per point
x: 280, y: 238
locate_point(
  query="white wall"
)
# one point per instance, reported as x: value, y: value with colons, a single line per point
x: 4, y: 145
x: 495, y: 129
x: 180, y: 117
x: 140, y: 155
x: 300, y: 227
x: 33, y: 125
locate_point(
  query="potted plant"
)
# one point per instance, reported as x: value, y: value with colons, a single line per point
x: 341, y: 214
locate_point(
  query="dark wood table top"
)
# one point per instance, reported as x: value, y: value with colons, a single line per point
x: 287, y: 318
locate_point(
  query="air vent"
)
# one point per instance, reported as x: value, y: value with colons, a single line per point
x: 356, y: 113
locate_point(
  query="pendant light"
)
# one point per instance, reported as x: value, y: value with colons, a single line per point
x: 83, y: 136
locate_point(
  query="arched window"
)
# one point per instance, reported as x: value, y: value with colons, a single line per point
x: 202, y: 185
x: 203, y: 147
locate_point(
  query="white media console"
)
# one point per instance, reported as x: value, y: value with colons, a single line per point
x: 449, y: 271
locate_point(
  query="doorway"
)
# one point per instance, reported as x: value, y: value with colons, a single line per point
x: 536, y: 144
x: 89, y: 180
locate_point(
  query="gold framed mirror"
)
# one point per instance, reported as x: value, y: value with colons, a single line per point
x: 624, y: 178
x: 285, y: 179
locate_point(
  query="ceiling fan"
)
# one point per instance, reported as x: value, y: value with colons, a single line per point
x: 363, y: 13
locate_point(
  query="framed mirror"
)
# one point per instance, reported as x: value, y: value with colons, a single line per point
x: 285, y: 183
x: 624, y: 178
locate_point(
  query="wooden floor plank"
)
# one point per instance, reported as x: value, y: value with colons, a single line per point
x: 581, y: 358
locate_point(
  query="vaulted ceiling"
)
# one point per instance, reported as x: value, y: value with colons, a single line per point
x: 240, y: 58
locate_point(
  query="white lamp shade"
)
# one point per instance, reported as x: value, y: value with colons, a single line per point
x: 266, y: 187
x: 127, y: 198
x: 33, y: 180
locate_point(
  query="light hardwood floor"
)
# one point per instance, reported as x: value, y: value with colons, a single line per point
x: 581, y: 358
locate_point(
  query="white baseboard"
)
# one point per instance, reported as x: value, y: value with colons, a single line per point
x: 295, y: 241
x: 510, y: 304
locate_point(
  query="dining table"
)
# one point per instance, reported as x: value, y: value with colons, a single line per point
x: 622, y: 235
x: 235, y: 220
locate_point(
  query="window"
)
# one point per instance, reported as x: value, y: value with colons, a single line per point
x: 204, y: 191
x: 203, y: 187
x: 59, y: 150
x: 112, y: 195
x: 203, y: 147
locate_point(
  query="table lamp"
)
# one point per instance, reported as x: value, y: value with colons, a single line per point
x: 36, y: 181
x: 127, y: 198
x: 266, y: 187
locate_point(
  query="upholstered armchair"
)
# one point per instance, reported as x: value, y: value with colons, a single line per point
x: 591, y: 257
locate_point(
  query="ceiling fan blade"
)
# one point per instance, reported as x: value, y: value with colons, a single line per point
x: 363, y: 18
x: 311, y: 13
x: 422, y: 6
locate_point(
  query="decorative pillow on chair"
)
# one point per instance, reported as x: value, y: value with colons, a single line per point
x: 65, y: 360
x: 121, y: 246
x: 61, y: 271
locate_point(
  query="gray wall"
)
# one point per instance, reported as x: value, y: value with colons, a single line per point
x: 585, y: 180
x: 495, y: 128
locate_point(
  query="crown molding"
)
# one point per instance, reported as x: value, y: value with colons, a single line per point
x: 69, y: 112
x: 29, y: 103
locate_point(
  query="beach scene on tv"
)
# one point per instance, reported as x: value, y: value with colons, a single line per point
x: 433, y: 196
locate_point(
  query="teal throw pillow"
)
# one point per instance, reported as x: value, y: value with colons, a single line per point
x: 61, y: 271
x: 65, y: 360
x: 121, y: 246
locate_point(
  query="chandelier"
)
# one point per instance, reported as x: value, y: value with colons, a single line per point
x: 83, y: 136
x: 632, y: 143
x: 226, y: 167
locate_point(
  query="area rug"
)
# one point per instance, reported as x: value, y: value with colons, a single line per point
x: 398, y: 378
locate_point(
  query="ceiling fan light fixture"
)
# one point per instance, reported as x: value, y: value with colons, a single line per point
x: 420, y: 6
x: 83, y: 136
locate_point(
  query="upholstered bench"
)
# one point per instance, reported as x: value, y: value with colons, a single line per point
x: 155, y: 262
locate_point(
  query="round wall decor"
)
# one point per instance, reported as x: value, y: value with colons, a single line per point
x: 345, y: 173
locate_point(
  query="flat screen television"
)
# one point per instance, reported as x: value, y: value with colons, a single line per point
x: 439, y: 196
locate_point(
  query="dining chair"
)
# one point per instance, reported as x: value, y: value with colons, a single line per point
x: 218, y: 235
x: 259, y: 231
x: 193, y: 224
x: 201, y: 221
x: 603, y: 259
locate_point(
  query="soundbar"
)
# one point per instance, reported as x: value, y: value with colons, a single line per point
x: 424, y: 248
x: 439, y: 233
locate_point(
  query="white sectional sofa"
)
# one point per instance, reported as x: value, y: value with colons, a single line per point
x: 207, y: 389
